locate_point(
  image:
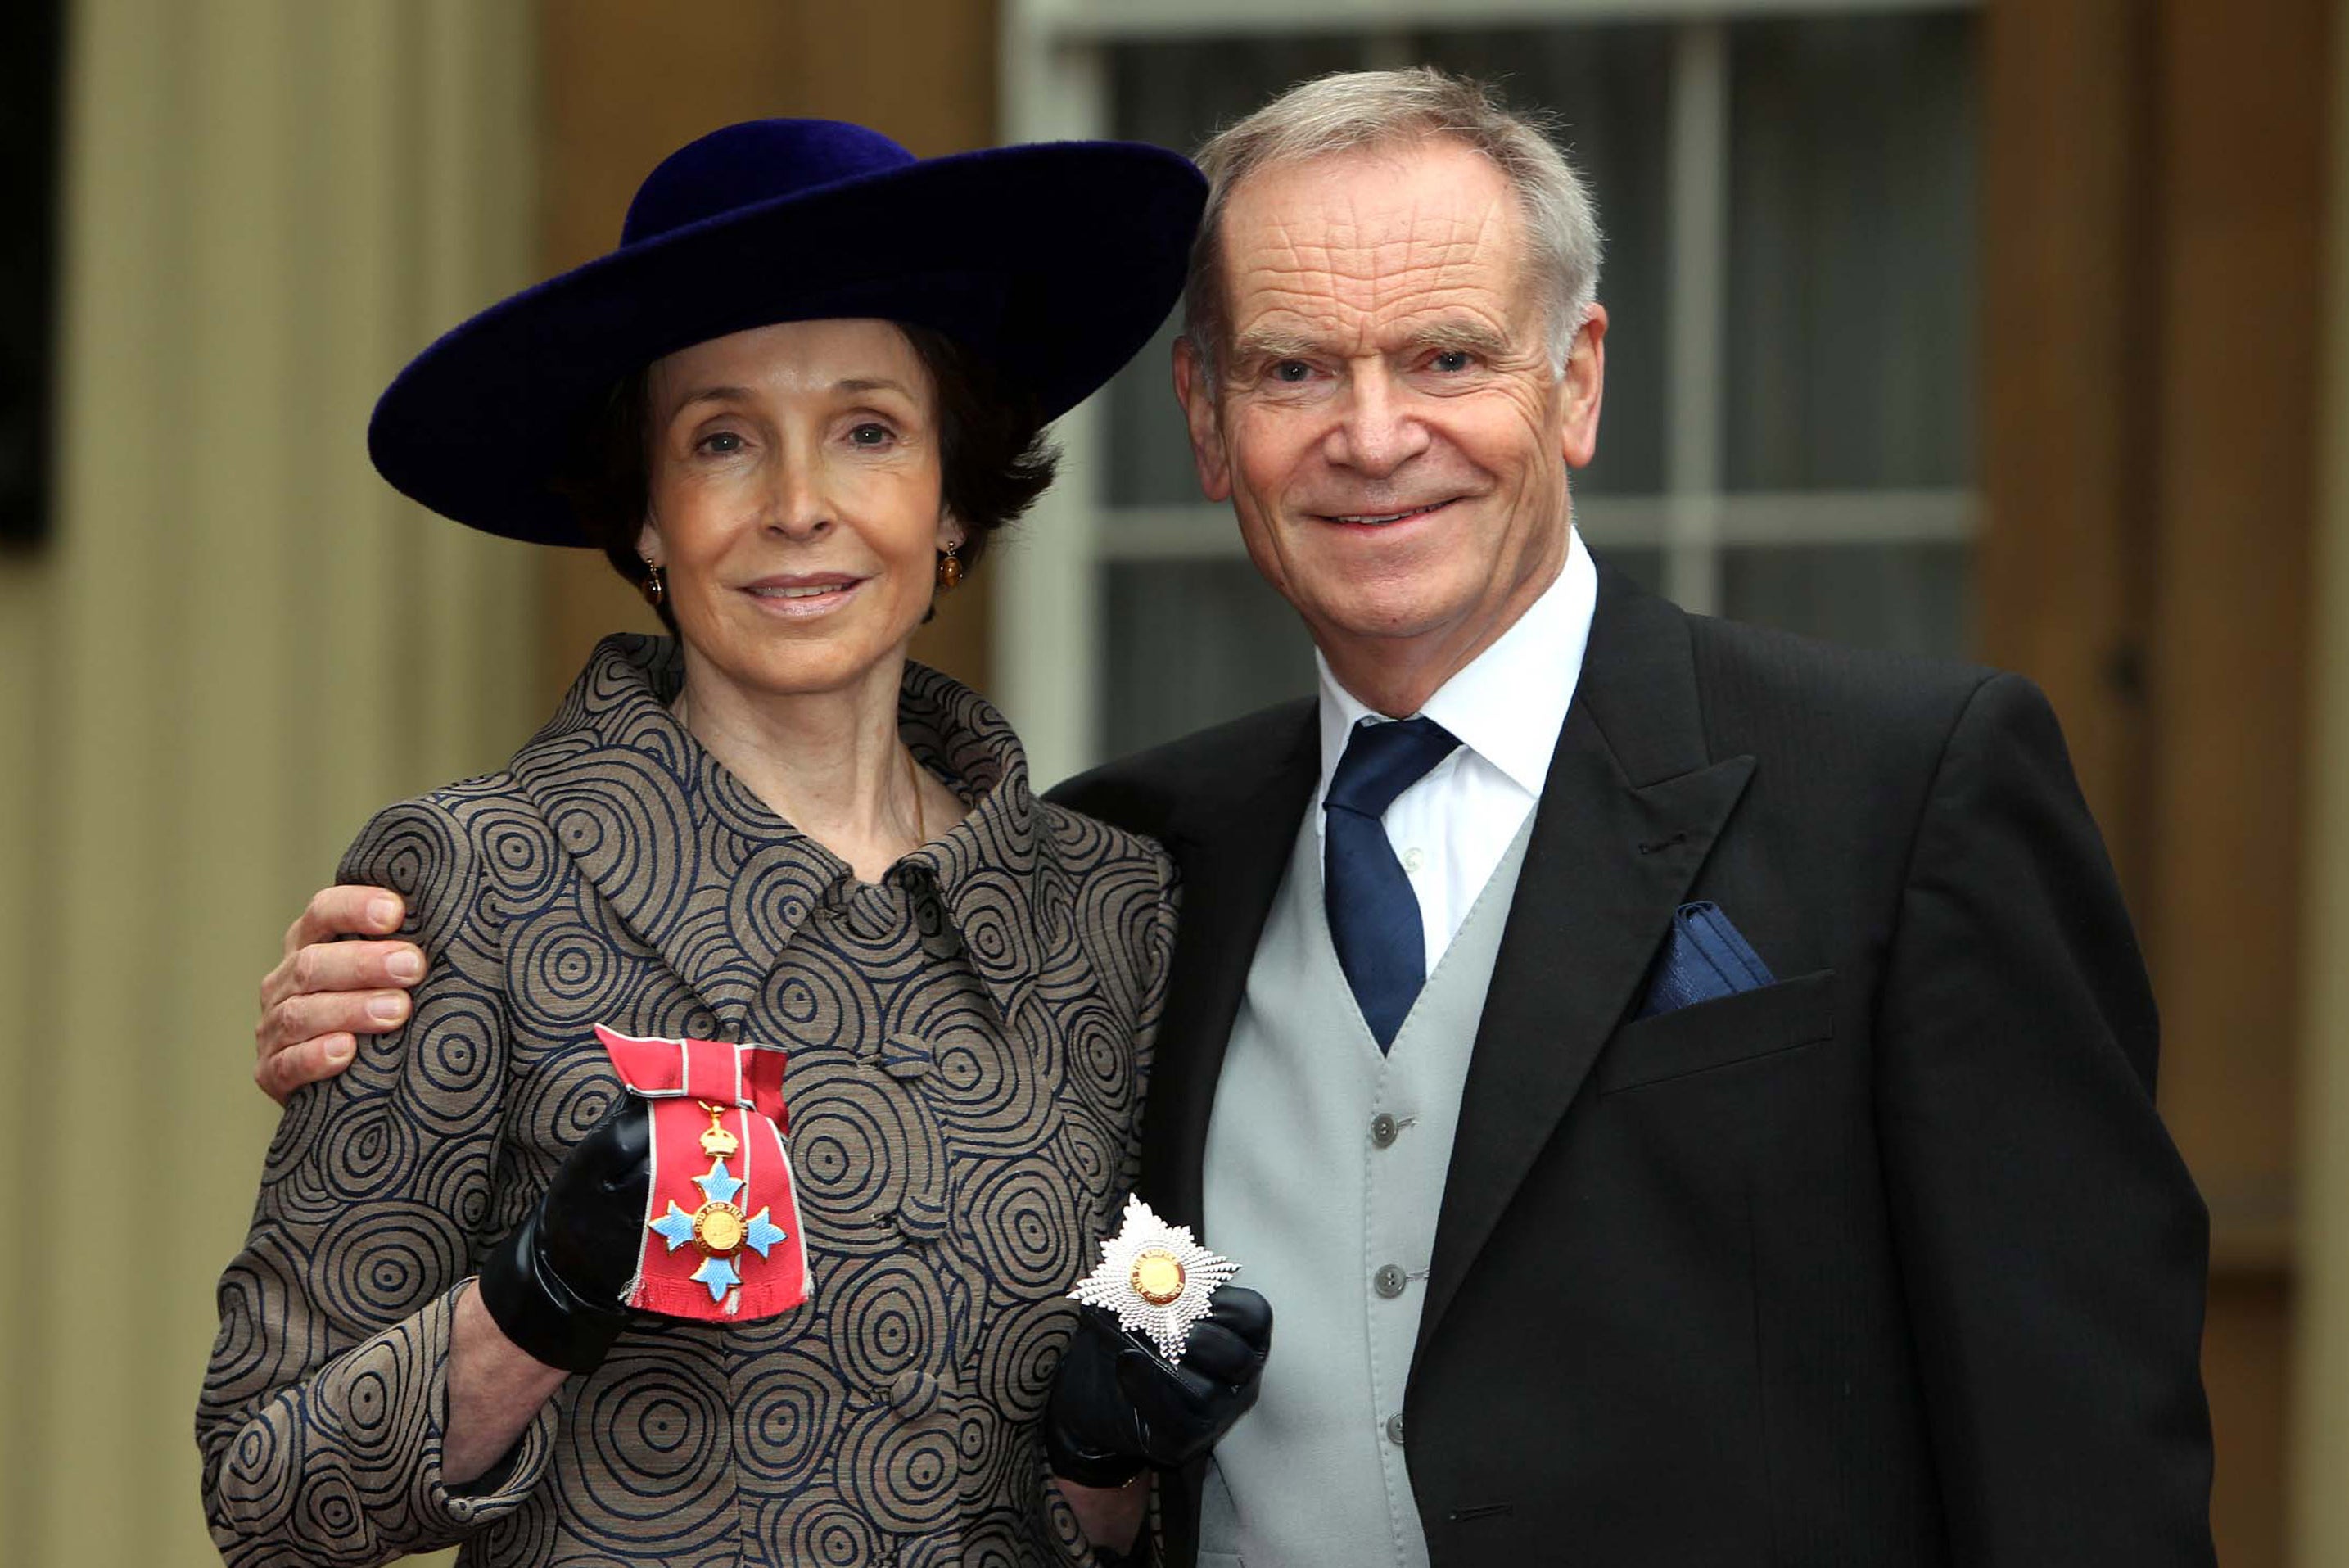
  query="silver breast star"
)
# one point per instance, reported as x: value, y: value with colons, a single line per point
x: 1155, y: 1278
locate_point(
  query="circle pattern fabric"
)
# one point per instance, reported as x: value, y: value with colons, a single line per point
x: 969, y: 1043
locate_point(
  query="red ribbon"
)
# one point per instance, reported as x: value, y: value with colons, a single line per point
x: 681, y: 1082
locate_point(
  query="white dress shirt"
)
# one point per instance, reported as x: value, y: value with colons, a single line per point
x: 1506, y: 708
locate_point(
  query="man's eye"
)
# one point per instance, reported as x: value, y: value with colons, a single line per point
x: 1453, y: 360
x: 1291, y: 370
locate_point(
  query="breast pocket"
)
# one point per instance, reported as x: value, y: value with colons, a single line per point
x: 1745, y: 1027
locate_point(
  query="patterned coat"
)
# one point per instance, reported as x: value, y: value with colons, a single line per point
x: 969, y: 1043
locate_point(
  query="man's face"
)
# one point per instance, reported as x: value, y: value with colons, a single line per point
x: 1387, y: 421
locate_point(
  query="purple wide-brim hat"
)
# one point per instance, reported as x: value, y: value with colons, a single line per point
x: 1054, y: 262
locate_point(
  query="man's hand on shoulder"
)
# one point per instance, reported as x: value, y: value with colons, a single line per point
x: 327, y: 991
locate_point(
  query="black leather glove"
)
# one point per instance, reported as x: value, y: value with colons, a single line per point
x: 553, y: 1286
x: 1117, y: 1407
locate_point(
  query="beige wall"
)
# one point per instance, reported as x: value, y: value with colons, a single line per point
x: 237, y: 643
x: 2319, y: 1449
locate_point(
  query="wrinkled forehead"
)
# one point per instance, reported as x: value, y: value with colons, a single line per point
x: 1353, y: 241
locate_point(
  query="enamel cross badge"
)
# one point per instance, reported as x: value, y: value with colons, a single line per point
x: 722, y: 1236
x: 1155, y: 1279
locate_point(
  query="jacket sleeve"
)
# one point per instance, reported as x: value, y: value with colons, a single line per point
x: 2053, y: 1246
x: 321, y: 1416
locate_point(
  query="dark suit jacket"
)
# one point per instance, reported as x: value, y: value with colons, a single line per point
x: 1890, y: 1262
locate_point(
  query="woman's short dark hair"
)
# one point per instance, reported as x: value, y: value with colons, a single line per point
x: 993, y: 459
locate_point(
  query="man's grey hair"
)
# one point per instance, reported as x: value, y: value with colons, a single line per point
x: 1354, y: 111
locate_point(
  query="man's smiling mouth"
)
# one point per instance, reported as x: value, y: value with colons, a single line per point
x: 1383, y: 519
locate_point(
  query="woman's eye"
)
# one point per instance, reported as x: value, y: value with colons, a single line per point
x: 720, y: 443
x: 1453, y: 360
x: 1292, y: 371
x: 871, y: 435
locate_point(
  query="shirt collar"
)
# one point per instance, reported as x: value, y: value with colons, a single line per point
x: 1508, y: 703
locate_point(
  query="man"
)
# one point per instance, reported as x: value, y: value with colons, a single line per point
x: 1686, y: 1091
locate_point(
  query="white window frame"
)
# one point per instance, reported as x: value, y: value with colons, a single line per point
x: 1046, y: 647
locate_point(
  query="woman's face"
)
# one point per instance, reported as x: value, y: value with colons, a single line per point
x: 794, y: 500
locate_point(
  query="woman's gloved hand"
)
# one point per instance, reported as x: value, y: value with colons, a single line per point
x: 553, y: 1286
x: 1117, y: 1405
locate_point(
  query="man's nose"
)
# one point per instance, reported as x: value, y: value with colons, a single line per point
x: 1379, y: 429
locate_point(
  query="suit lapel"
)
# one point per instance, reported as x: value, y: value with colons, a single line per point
x: 1233, y: 845
x: 1632, y: 808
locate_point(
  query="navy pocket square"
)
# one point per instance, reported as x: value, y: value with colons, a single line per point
x: 1706, y: 959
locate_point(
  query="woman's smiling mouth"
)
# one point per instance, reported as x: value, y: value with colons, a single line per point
x: 797, y: 597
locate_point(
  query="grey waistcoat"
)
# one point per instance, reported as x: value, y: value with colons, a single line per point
x: 1325, y: 1166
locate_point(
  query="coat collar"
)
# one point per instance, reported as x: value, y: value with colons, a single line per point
x: 1633, y: 806
x: 704, y: 873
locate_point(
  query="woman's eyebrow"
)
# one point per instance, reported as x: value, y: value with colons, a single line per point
x: 711, y: 395
x: 872, y: 384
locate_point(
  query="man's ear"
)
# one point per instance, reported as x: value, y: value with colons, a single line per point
x: 1584, y: 386
x: 1198, y: 400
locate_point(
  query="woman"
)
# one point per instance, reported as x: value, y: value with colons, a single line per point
x: 798, y: 397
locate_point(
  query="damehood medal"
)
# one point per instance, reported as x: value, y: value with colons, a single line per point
x: 722, y: 1236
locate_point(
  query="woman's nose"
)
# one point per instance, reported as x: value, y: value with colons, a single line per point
x: 798, y: 505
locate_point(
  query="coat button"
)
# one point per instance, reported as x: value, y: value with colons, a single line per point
x: 1383, y: 1129
x: 1394, y: 1430
x: 906, y: 1057
x: 914, y: 1393
x: 1389, y: 1281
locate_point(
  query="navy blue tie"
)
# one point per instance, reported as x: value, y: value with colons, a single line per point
x: 1373, y: 914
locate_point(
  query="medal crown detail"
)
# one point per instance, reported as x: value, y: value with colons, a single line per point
x: 1155, y: 1278
x: 717, y: 1142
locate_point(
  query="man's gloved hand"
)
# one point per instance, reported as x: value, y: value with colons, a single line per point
x: 554, y: 1285
x: 1117, y: 1407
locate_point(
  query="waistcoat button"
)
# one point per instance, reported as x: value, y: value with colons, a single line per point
x: 1383, y: 1129
x: 1394, y: 1430
x: 1389, y: 1281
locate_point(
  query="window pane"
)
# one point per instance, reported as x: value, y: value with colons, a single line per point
x: 1191, y: 643
x: 1918, y: 599
x: 1608, y: 87
x: 1852, y: 241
